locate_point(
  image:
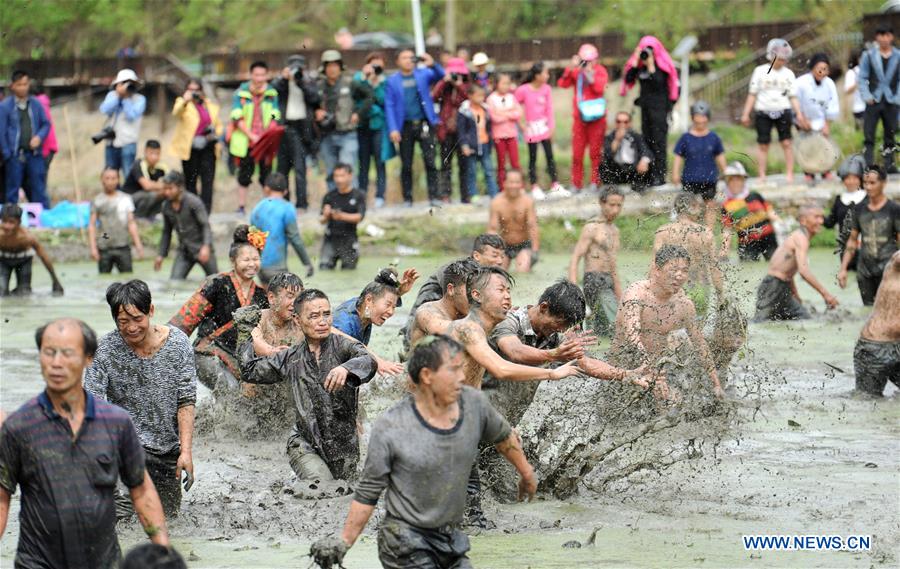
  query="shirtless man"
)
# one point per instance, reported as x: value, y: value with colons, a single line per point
x: 876, y: 358
x: 599, y: 245
x: 514, y: 218
x: 435, y: 317
x: 17, y: 248
x: 655, y: 307
x: 777, y: 297
x: 697, y: 239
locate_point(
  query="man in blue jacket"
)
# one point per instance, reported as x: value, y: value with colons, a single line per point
x: 410, y: 116
x: 879, y: 76
x: 23, y: 128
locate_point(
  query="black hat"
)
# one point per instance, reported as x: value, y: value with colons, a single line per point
x: 818, y: 58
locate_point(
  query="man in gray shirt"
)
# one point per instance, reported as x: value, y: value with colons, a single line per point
x: 325, y: 371
x: 185, y: 213
x: 421, y: 451
x: 149, y: 371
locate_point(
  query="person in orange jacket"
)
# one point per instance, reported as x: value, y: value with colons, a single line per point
x: 588, y: 78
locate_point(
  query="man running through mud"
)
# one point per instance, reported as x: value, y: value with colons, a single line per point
x: 488, y: 291
x: 876, y: 358
x: 544, y: 334
x: 651, y: 309
x: 435, y: 317
x: 17, y: 250
x: 325, y: 371
x: 421, y: 452
x: 599, y: 245
x: 777, y: 297
x: 488, y: 249
x: 514, y: 218
x: 697, y: 240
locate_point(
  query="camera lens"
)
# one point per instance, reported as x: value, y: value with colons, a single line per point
x: 645, y: 54
x: 378, y: 69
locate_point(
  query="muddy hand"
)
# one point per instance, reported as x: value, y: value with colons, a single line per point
x: 328, y: 552
x: 566, y: 370
x: 386, y: 367
x: 188, y: 480
x: 336, y: 379
x: 527, y: 487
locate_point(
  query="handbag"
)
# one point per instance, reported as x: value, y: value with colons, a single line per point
x: 592, y: 110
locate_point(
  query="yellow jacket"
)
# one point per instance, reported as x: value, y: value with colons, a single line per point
x: 188, y: 119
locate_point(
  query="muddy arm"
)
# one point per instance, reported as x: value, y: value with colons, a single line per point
x: 45, y: 259
x: 511, y: 449
x: 4, y: 509
x: 478, y: 349
x: 149, y: 511
x: 702, y: 348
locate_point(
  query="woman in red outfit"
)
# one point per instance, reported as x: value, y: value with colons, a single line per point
x: 593, y: 76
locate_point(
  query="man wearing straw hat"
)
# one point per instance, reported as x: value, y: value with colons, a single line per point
x: 124, y: 108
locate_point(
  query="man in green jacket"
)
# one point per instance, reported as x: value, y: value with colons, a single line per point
x: 254, y: 106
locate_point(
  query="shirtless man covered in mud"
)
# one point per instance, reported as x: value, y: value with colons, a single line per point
x: 17, y: 249
x: 697, y: 239
x: 876, y: 358
x: 514, y: 218
x: 599, y: 245
x: 653, y: 308
x: 435, y: 317
x: 777, y: 297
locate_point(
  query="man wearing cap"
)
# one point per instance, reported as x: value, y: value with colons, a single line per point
x: 588, y: 78
x: 336, y: 118
x: 481, y: 75
x: 851, y: 173
x: 879, y: 86
x: 410, y: 116
x: 298, y: 99
x: 124, y: 108
x: 749, y: 215
x: 450, y: 93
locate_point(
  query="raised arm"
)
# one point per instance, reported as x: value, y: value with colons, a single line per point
x: 515, y: 351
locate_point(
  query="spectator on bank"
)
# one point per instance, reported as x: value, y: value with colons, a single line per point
x: 702, y: 154
x: 627, y: 159
x: 879, y: 86
x: 818, y: 99
x: 50, y: 146
x: 652, y: 67
x: 195, y: 139
x: 144, y: 181
x: 23, y: 129
x: 124, y: 108
x: 410, y: 115
x: 852, y: 94
x: 536, y: 98
x: 505, y: 115
x: 475, y: 139
x: 298, y: 99
x: 370, y: 108
x: 773, y: 95
x: 588, y: 78
x: 336, y: 118
x: 449, y: 94
x: 481, y: 75
x: 254, y: 107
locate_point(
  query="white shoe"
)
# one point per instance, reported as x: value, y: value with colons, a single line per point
x: 379, y: 203
x: 558, y: 192
x: 537, y: 193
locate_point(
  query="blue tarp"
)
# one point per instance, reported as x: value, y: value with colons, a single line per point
x: 66, y: 214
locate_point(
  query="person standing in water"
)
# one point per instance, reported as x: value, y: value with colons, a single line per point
x: 777, y: 297
x: 514, y: 218
x: 17, y: 249
x: 851, y: 174
x: 184, y: 213
x: 748, y: 215
x: 876, y: 358
x: 434, y: 317
x: 276, y: 216
x: 114, y: 211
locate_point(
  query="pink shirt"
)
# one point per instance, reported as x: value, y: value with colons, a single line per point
x: 50, y: 144
x: 538, y: 105
x: 505, y: 114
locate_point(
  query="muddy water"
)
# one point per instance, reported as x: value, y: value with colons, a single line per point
x: 833, y: 470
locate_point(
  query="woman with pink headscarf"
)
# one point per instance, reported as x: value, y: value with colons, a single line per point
x: 653, y: 68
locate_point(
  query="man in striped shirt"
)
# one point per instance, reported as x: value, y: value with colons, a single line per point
x: 66, y: 450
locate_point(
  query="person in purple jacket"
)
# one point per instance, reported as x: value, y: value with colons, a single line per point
x: 23, y: 129
x: 410, y: 116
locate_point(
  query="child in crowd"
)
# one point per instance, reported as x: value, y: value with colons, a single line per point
x: 851, y: 174
x: 505, y: 114
x: 701, y: 153
x: 749, y: 215
x: 536, y: 97
x: 114, y: 210
x: 473, y: 125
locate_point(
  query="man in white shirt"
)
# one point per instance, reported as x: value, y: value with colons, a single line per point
x: 773, y: 95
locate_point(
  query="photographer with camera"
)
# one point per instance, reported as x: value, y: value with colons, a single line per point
x: 450, y: 93
x: 254, y: 107
x: 651, y: 66
x: 195, y: 139
x: 336, y: 119
x: 370, y: 84
x: 298, y: 99
x: 588, y: 77
x: 23, y: 128
x: 124, y: 108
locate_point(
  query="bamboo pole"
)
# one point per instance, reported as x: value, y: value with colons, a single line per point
x: 73, y: 159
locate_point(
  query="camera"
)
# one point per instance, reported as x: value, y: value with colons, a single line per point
x: 646, y: 53
x: 198, y: 96
x: 296, y: 71
x: 327, y: 123
x: 108, y: 133
x: 377, y: 69
x: 131, y: 87
x: 458, y: 76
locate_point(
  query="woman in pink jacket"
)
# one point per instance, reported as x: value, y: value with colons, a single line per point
x: 535, y: 96
x: 505, y: 114
x: 589, y: 79
x: 50, y: 146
